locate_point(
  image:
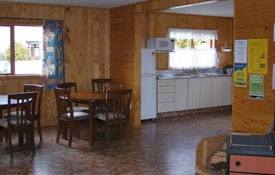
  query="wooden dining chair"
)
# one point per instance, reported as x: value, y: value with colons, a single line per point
x: 39, y: 89
x: 117, y: 112
x: 113, y: 85
x: 24, y: 105
x: 72, y: 87
x: 98, y: 84
x: 67, y: 118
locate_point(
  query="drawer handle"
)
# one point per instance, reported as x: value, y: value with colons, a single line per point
x: 238, y: 164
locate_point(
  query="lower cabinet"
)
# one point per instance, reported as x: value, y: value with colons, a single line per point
x: 227, y: 91
x: 166, y: 95
x: 181, y: 94
x: 221, y: 91
x: 205, y: 92
x: 217, y: 90
x: 193, y: 93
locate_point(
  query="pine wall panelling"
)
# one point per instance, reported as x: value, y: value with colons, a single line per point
x: 123, y: 59
x: 87, y: 48
x: 254, y: 20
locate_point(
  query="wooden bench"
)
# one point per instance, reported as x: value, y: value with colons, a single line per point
x: 205, y: 149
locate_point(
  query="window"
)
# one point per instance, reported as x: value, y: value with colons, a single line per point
x: 193, y: 49
x: 21, y: 48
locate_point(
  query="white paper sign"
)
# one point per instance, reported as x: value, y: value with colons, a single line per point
x: 241, y: 51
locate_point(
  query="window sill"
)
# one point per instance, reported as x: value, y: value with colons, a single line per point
x: 14, y: 77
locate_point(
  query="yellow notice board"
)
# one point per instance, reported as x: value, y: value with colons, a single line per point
x: 240, y: 75
x: 257, y: 56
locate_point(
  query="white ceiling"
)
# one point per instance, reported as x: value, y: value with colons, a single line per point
x: 222, y: 8
x: 86, y: 3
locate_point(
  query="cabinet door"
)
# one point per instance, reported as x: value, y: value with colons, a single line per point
x: 193, y: 93
x: 165, y: 107
x: 166, y: 83
x: 227, y: 91
x: 217, y: 91
x: 205, y: 92
x: 181, y: 86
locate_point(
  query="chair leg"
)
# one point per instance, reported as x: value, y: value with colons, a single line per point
x: 107, y: 130
x: 127, y: 133
x: 59, y: 127
x: 71, y: 125
x: 39, y: 128
x: 32, y: 141
x: 10, y: 146
x: 77, y: 129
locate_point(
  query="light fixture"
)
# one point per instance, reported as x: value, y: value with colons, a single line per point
x: 194, y: 4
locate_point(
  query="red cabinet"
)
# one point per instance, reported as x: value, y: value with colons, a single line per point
x: 243, y: 164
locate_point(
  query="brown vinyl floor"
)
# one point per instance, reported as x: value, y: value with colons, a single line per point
x: 161, y: 147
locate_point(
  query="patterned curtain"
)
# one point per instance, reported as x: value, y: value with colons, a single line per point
x: 53, y: 61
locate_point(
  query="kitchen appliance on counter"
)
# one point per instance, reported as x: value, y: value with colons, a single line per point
x: 161, y: 44
x: 148, y: 84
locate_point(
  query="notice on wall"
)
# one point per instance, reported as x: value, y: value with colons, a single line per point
x: 240, y: 75
x: 257, y: 56
x: 256, y: 86
x: 241, y: 51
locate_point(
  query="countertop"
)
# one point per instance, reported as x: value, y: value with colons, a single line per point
x: 203, y: 75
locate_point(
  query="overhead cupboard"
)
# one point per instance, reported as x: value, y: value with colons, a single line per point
x: 179, y: 94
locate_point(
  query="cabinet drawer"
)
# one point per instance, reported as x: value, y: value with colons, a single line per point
x: 165, y: 107
x: 166, y: 82
x: 166, y: 89
x: 252, y: 164
x: 168, y: 97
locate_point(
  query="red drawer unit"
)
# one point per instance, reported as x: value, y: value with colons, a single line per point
x: 250, y: 154
x: 252, y: 164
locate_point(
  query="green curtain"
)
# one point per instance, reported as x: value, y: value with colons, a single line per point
x: 53, y: 46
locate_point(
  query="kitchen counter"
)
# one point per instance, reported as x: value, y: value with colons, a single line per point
x: 202, y: 75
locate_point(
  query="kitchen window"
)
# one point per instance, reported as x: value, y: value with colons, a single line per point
x: 21, y: 48
x: 193, y: 48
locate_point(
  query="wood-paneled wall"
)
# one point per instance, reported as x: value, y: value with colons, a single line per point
x: 87, y: 48
x: 131, y: 26
x: 254, y: 20
x: 160, y: 22
x: 124, y: 62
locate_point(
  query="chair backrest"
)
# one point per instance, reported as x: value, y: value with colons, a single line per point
x: 119, y: 100
x: 35, y: 88
x: 24, y: 106
x: 63, y: 101
x: 99, y: 84
x: 113, y: 85
x: 71, y: 86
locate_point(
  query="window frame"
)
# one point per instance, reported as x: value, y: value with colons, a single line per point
x: 12, y: 23
x: 192, y: 34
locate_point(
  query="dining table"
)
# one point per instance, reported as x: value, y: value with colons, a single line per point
x: 86, y: 98
x: 4, y: 103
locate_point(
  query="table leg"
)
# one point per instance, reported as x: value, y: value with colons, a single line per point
x: 91, y: 130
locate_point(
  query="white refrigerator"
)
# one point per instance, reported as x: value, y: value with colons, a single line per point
x: 148, y: 84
